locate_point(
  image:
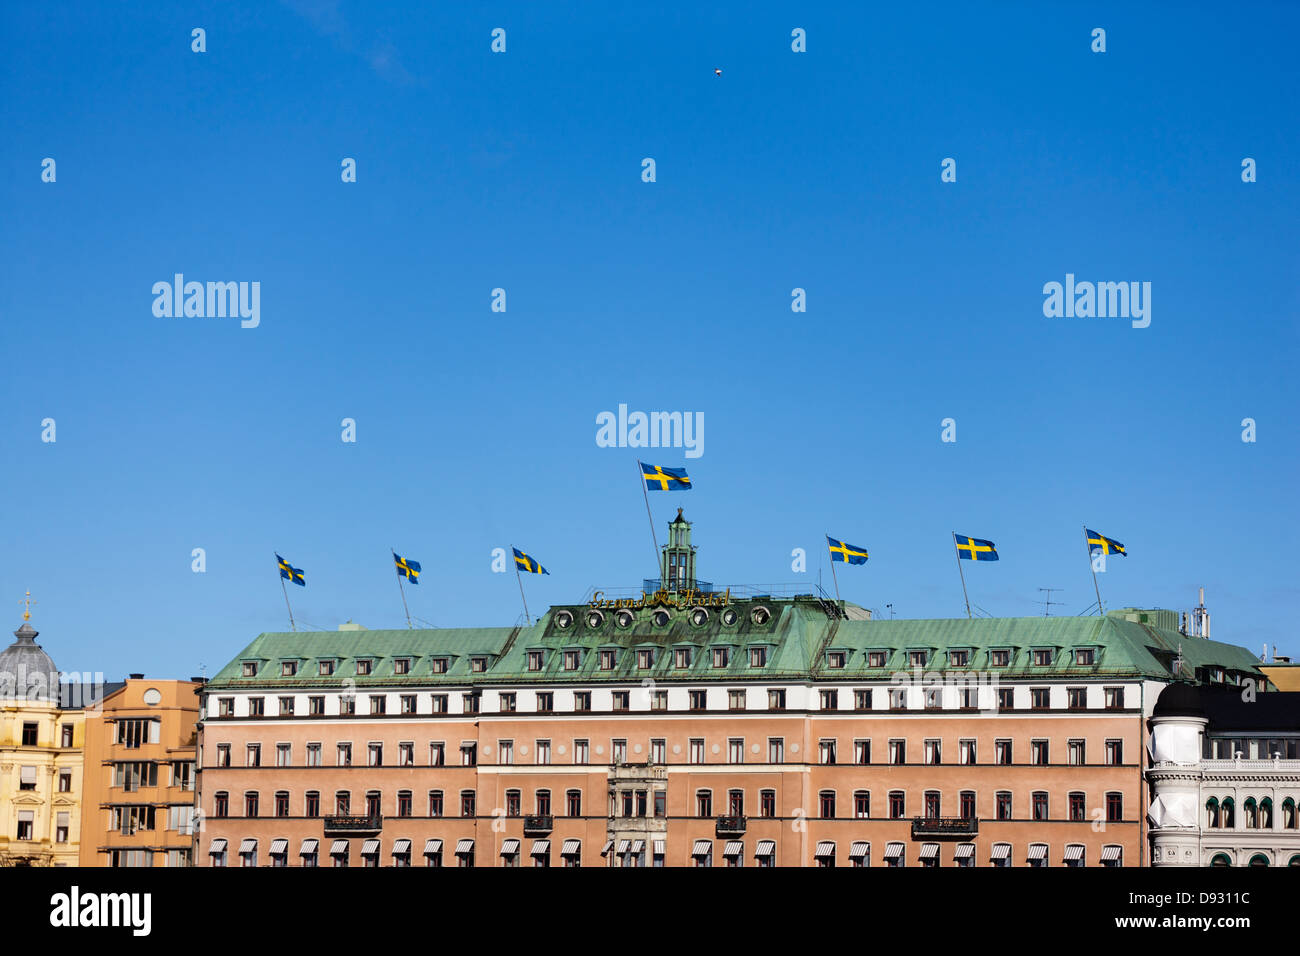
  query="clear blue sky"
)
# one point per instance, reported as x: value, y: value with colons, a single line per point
x: 523, y: 171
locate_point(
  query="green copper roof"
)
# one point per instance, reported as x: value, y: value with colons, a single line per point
x: 796, y: 640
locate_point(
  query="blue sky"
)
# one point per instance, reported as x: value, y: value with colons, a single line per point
x: 522, y: 171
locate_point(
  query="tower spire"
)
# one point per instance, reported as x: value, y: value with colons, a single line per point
x: 27, y: 610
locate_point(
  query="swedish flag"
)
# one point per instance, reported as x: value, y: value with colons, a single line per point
x: 524, y: 563
x: 290, y: 573
x: 659, y: 478
x: 1100, y: 544
x: 406, y: 568
x: 975, y: 549
x: 846, y: 552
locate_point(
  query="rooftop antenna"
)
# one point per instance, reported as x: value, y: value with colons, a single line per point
x: 891, y: 611
x: 1047, y: 605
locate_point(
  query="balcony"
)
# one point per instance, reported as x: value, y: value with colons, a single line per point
x: 538, y: 823
x: 731, y: 826
x: 944, y: 826
x: 345, y: 826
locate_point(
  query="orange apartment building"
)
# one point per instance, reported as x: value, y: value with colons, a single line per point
x: 695, y: 727
x: 139, y: 776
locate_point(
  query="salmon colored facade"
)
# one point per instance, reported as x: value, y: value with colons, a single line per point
x: 138, y: 788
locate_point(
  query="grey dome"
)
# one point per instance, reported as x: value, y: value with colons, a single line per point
x: 26, y: 671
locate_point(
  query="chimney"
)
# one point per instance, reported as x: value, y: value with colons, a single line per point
x: 135, y: 676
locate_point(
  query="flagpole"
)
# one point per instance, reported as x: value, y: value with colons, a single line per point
x: 521, y: 589
x: 1100, y: 610
x: 402, y: 589
x: 961, y: 572
x: 292, y: 625
x: 653, y: 537
x: 834, y: 576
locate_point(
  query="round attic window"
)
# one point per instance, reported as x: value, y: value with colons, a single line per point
x: 153, y: 697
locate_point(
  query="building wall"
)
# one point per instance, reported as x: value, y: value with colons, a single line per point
x: 798, y: 781
x: 1285, y: 677
x: 46, y: 802
x: 175, y: 706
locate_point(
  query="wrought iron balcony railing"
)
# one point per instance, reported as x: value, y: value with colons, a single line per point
x: 539, y: 823
x: 945, y: 826
x: 347, y: 824
x: 731, y: 826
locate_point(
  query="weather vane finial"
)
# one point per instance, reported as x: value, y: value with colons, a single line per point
x: 27, y: 610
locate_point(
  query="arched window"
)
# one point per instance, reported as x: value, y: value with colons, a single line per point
x: 1212, y: 813
x: 1294, y: 861
x: 1250, y: 813
x: 1266, y: 814
x: 1221, y: 859
x: 1227, y: 818
x: 1288, y: 814
x: 1259, y: 859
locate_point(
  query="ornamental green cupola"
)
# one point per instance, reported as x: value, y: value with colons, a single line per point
x: 677, y: 565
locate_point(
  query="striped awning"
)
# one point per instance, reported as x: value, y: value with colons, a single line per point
x: 218, y: 845
x: 1110, y: 853
x: 338, y: 847
x: 734, y: 848
x: 432, y: 846
x: 464, y: 846
x: 659, y: 847
x: 893, y: 850
x: 1038, y: 851
x: 540, y: 848
x: 604, y: 850
x: 825, y: 848
x: 308, y: 847
x: 638, y: 846
x: 1001, y: 851
x: 929, y: 851
x: 249, y: 845
x: 765, y: 848
x: 571, y: 848
x: 702, y: 848
x: 860, y: 848
x: 279, y: 847
x: 370, y: 848
x: 1074, y: 852
x: 401, y: 847
x: 509, y: 847
x: 623, y: 846
x: 964, y: 851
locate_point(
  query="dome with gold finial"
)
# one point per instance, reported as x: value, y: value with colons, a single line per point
x: 26, y: 671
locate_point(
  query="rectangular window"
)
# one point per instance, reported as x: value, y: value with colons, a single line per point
x: 65, y: 781
x: 581, y: 752
x: 967, y: 805
x: 439, y: 665
x: 898, y: 751
x: 439, y: 703
x: 1077, y: 812
x: 282, y: 803
x: 1085, y: 657
x: 1038, y: 698
x: 1075, y: 753
x: 363, y: 668
x: 1039, y: 805
x: 378, y: 703
x: 830, y: 699
x: 249, y: 669
x: 404, y: 803
x: 345, y: 755
x: 326, y: 668
x: 581, y: 701
x: 704, y: 803
x: 862, y: 699
x: 66, y: 732
x: 253, y: 755
x: 437, y: 753
x: 826, y: 751
x: 932, y: 805
x: 470, y: 702
x: 467, y: 803
x: 966, y: 752
x: 505, y: 751
x: 313, y: 755
x: 1002, y: 804
x: 223, y: 755
x: 288, y: 668
x: 835, y: 660
x: 767, y: 803
x: 659, y: 700
x: 645, y: 658
x: 875, y: 658
x: 1042, y: 658
x: 544, y: 752
x: 862, y: 752
x: 897, y: 805
x: 736, y: 750
x: 573, y: 803
x: 721, y: 656
x: 402, y: 665
x: 682, y: 657
x: 256, y: 707
x: 622, y: 700
x: 698, y: 699
x: 284, y: 755
x: 534, y: 660
x: 27, y: 777
x: 478, y: 665
x: 862, y: 805
x: 1114, y: 752
x: 1076, y: 697
x: 897, y: 698
x: 1006, y: 698
x: 225, y: 706
x: 776, y: 750
x: 826, y: 802
x: 469, y: 755
x: 1114, y: 698
x: 435, y: 803
x: 758, y: 657
x: 618, y: 751
x: 658, y: 750
x: 408, y: 703
x: 999, y: 658
x: 607, y: 660
x: 545, y: 702
x: 776, y: 699
x: 933, y: 752
x: 736, y: 700
x: 697, y: 750
x: 508, y: 703
x: 571, y: 660
x: 316, y: 706
x: 1002, y: 752
x: 374, y: 755
x: 1038, y: 753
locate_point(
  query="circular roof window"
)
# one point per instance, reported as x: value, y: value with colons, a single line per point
x: 153, y: 697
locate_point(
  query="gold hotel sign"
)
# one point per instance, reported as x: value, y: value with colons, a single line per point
x: 663, y: 598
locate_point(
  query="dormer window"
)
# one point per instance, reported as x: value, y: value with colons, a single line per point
x: 917, y: 658
x: 835, y: 659
x: 607, y: 658
x: 645, y: 658
x: 571, y: 659
x: 402, y: 665
x: 959, y: 658
x: 288, y: 668
x: 682, y: 657
x: 1000, y: 658
x: 1042, y: 657
x: 875, y: 658
x: 440, y: 665
x: 478, y: 665
x: 721, y: 656
x: 758, y: 657
x: 250, y: 668
x: 326, y: 668
x: 534, y: 660
x: 1085, y: 656
x: 363, y: 667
